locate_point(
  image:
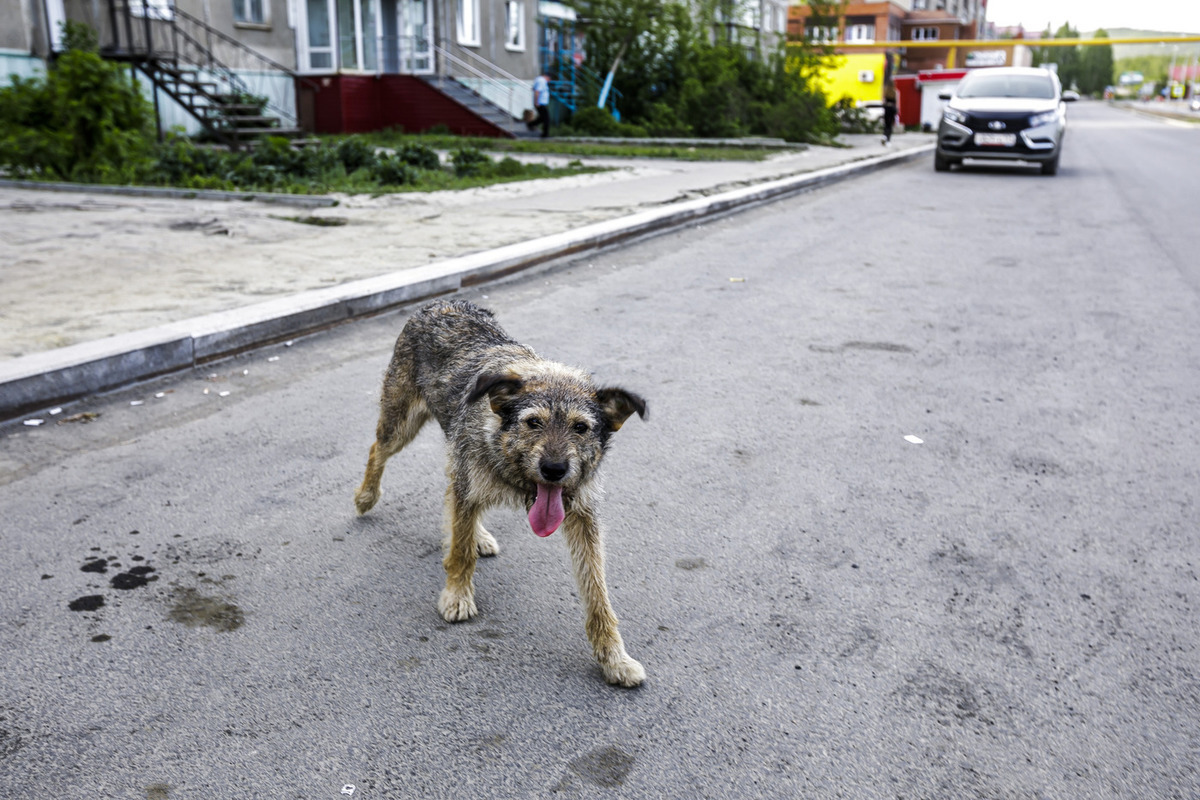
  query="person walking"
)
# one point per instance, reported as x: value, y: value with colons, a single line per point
x: 541, y: 102
x: 889, y: 118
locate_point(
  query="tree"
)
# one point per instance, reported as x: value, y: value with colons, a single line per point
x: 1067, y: 58
x: 83, y: 120
x: 686, y: 70
x: 1096, y: 66
x: 1042, y: 55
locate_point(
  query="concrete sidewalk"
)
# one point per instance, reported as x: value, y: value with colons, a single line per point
x: 104, y: 290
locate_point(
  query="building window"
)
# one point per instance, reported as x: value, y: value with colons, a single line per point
x: 821, y: 34
x: 514, y: 25
x: 250, y: 12
x: 861, y: 34
x: 749, y: 16
x: 154, y: 9
x: 925, y: 34
x: 320, y: 38
x: 468, y: 22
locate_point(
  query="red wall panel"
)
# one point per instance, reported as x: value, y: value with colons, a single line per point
x: 359, y: 103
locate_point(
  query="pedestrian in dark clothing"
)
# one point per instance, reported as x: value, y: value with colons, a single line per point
x: 889, y: 118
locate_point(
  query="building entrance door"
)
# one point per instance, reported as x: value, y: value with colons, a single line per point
x: 358, y: 34
x: 416, y: 38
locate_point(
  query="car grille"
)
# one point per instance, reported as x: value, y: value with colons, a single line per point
x: 1013, y: 123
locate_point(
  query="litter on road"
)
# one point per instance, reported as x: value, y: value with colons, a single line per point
x: 83, y: 416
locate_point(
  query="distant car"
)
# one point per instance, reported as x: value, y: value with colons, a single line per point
x: 1008, y: 113
x: 1195, y: 104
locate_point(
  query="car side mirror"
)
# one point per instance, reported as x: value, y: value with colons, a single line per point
x: 1070, y: 96
x: 943, y: 95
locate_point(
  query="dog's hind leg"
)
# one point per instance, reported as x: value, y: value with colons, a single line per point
x: 401, y: 416
x: 582, y: 533
x: 457, y: 601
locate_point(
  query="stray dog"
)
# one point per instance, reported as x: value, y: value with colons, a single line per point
x: 520, y: 431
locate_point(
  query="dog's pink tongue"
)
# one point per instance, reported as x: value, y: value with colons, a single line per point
x: 547, y: 512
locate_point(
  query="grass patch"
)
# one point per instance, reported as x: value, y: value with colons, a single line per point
x: 616, y: 148
x: 345, y: 164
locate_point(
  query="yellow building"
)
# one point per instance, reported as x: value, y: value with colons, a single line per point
x: 858, y: 76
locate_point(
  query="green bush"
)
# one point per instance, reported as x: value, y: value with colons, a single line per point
x: 851, y: 118
x: 594, y: 121
x: 469, y: 162
x: 179, y: 162
x: 419, y: 156
x: 394, y: 171
x: 663, y: 120
x: 355, y: 154
x: 508, y: 167
x: 84, y: 120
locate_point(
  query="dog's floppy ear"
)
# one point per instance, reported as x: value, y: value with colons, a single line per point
x: 617, y: 404
x: 499, y: 387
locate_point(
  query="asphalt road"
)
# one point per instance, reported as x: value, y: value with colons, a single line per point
x: 824, y: 608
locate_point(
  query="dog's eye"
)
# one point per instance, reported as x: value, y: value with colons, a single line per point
x: 580, y: 428
x: 533, y: 423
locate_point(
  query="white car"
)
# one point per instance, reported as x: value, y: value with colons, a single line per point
x: 1009, y: 113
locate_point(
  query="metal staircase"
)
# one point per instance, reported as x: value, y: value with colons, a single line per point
x: 484, y: 89
x: 203, y: 70
x: 479, y: 106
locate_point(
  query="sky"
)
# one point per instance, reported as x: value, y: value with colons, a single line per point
x: 1173, y: 16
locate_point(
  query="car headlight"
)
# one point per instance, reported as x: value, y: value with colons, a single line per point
x: 1045, y: 118
x: 954, y: 115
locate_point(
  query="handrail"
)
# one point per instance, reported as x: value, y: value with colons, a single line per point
x: 230, y: 40
x: 487, y: 79
x: 174, y: 36
x: 231, y: 77
x: 495, y: 67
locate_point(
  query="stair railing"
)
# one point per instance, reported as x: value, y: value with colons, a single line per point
x: 158, y: 34
x: 501, y: 86
x: 575, y: 84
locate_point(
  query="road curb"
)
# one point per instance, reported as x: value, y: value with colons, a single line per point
x: 58, y: 376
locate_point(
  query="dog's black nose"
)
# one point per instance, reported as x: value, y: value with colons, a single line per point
x: 553, y: 470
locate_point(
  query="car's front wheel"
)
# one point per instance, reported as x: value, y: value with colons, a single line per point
x: 1050, y: 167
x: 940, y: 162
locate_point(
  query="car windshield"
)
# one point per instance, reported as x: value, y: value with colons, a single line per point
x: 1036, y: 86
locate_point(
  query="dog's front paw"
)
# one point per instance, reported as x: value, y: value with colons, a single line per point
x: 365, y: 500
x: 625, y: 672
x: 456, y: 607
